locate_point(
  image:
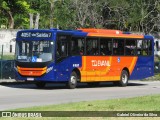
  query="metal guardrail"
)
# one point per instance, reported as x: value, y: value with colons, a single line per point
x: 157, y: 67
x: 7, y: 69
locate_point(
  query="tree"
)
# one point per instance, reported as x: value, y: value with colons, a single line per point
x: 52, y: 11
x: 130, y: 15
x: 11, y: 8
x: 88, y: 13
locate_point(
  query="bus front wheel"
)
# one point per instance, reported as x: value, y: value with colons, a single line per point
x: 72, y: 83
x: 123, y: 80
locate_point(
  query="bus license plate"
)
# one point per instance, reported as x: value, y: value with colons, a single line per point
x: 30, y: 79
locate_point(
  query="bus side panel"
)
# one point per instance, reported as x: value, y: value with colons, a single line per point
x: 65, y: 67
x: 144, y: 68
x: 105, y: 68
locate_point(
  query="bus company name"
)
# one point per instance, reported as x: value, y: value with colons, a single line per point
x: 100, y: 63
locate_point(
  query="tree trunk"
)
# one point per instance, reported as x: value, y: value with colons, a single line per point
x: 31, y: 20
x: 51, y: 11
x: 51, y: 16
x: 37, y: 21
x: 11, y: 20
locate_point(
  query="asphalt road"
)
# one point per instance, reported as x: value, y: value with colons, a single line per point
x: 25, y: 95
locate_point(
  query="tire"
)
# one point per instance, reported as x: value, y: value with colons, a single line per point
x: 123, y: 80
x: 93, y: 84
x: 40, y: 85
x: 72, y: 83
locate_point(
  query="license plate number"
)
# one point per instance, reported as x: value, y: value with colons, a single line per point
x: 30, y: 79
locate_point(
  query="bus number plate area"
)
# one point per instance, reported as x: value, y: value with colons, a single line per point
x: 30, y: 79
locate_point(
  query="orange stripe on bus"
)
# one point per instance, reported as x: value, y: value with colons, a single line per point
x: 108, y: 78
x: 133, y: 64
x: 21, y: 68
x: 105, y: 68
x: 31, y: 71
x: 106, y: 31
x: 115, y: 35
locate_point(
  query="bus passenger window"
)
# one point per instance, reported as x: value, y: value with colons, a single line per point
x: 77, y: 46
x: 82, y: 51
x: 103, y: 50
x: 130, y: 47
x: 118, y: 45
x: 150, y: 47
x: 115, y: 52
x: 92, y: 46
x: 145, y: 52
x: 105, y: 46
x: 146, y: 47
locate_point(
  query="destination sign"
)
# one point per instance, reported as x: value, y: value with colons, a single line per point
x: 36, y: 34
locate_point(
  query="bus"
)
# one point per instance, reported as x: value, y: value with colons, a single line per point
x: 88, y: 55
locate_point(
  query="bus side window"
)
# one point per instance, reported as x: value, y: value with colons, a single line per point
x: 115, y: 52
x: 130, y: 47
x: 145, y: 52
x: 105, y: 46
x: 150, y: 47
x: 139, y: 47
x: 138, y: 52
x: 118, y: 46
x: 144, y: 47
x: 77, y: 46
x: 92, y: 47
x: 146, y: 44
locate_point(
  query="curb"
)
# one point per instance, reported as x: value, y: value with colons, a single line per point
x: 7, y: 80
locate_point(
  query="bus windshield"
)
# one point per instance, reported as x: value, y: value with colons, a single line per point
x: 34, y: 51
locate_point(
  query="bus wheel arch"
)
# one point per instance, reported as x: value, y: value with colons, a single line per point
x: 127, y: 70
x: 124, y: 77
x: 74, y: 78
x: 76, y: 70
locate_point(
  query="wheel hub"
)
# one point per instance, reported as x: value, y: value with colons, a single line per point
x: 124, y: 78
x: 73, y: 79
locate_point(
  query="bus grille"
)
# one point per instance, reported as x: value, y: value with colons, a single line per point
x: 31, y: 71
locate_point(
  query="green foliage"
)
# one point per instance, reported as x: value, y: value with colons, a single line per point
x: 64, y: 15
x: 5, y: 5
x: 10, y: 9
x: 130, y: 15
x: 7, y: 57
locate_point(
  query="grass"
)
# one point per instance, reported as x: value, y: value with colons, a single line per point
x: 7, y: 57
x: 145, y: 103
x: 156, y: 77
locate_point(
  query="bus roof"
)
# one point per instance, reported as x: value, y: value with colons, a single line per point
x: 83, y: 32
x: 105, y: 31
x: 110, y: 33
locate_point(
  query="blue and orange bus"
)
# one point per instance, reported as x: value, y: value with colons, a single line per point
x: 84, y: 55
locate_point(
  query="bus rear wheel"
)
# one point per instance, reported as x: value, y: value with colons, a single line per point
x: 40, y: 84
x: 72, y: 83
x: 123, y: 80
